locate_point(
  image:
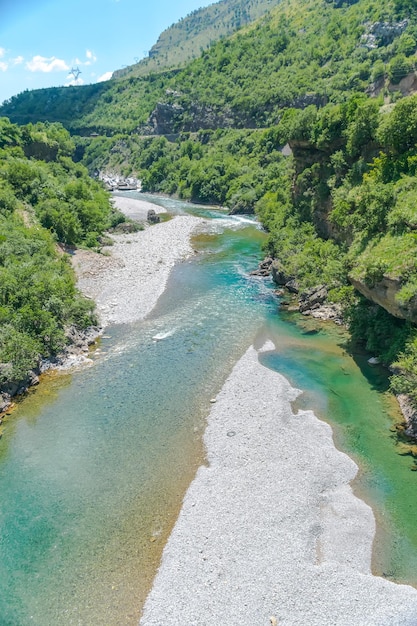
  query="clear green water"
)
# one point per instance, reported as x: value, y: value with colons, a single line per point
x: 353, y: 397
x: 93, y: 467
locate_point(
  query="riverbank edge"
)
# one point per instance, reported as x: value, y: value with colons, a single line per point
x: 270, y: 531
x: 314, y: 303
x: 174, y: 246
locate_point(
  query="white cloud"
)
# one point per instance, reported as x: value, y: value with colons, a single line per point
x: 104, y: 77
x: 3, y: 66
x: 90, y: 56
x: 18, y: 60
x: 44, y: 64
x: 2, y: 52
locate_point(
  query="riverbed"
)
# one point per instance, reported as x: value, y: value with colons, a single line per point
x: 95, y: 466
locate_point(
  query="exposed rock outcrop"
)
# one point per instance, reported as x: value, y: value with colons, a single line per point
x: 282, y: 278
x: 384, y: 293
x: 170, y: 118
x: 314, y: 302
x: 165, y: 118
x: 382, y: 33
x: 264, y: 268
x: 407, y: 85
x: 410, y: 414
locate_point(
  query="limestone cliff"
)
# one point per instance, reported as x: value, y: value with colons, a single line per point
x: 385, y: 294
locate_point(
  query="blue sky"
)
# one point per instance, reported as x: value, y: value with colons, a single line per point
x: 42, y: 40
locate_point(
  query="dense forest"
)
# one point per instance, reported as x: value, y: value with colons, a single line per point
x: 307, y: 117
x: 46, y: 199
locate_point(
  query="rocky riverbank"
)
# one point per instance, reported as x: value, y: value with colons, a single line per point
x: 314, y: 302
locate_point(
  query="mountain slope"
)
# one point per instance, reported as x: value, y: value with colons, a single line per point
x: 302, y: 52
x: 186, y: 39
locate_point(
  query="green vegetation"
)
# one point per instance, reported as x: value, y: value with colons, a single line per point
x: 186, y: 39
x: 303, y: 52
x: 45, y: 198
x: 228, y: 167
x: 354, y: 196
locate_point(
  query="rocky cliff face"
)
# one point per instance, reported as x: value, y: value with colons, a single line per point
x: 384, y: 293
x: 170, y: 118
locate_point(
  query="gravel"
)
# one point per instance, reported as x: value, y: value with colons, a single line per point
x: 127, y: 279
x: 270, y: 531
x: 134, y: 208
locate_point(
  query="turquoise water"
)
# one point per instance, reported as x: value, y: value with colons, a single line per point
x: 93, y: 467
x: 92, y: 477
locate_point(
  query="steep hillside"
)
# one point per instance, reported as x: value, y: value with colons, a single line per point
x: 186, y: 39
x: 303, y: 52
x: 341, y: 211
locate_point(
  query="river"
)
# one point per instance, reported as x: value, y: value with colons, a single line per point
x: 94, y: 466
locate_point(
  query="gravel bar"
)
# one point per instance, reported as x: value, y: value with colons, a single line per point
x: 270, y: 532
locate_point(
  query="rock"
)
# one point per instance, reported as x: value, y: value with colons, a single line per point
x: 165, y: 117
x: 409, y: 413
x: 264, y: 268
x: 153, y: 217
x: 170, y: 118
x: 384, y: 293
x: 327, y: 312
x: 382, y: 33
x: 5, y: 401
x: 314, y: 302
x: 312, y: 298
x: 407, y: 85
x: 292, y: 286
x: 279, y: 274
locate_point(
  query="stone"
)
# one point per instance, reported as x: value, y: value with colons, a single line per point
x: 292, y: 286
x: 153, y: 217
x: 384, y: 293
x: 5, y: 401
x: 313, y: 298
x: 264, y: 268
x: 279, y: 274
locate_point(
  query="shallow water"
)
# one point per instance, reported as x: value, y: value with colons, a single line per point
x: 353, y: 397
x: 93, y: 474
x: 93, y: 467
